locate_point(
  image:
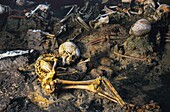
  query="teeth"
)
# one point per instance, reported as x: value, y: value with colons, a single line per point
x: 14, y: 53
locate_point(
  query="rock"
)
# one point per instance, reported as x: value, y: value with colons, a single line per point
x: 138, y: 47
x: 106, y: 71
x: 4, y: 102
x: 94, y: 73
x: 101, y: 71
x: 105, y: 61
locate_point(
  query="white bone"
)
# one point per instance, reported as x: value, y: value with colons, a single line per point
x: 2, y: 9
x: 14, y: 53
x: 41, y: 7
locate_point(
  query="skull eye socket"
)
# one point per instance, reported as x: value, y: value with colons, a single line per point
x: 161, y: 10
x: 73, y: 57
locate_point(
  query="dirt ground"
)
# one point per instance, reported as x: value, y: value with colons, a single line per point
x: 143, y: 84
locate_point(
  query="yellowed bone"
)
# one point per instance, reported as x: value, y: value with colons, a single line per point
x: 95, y: 86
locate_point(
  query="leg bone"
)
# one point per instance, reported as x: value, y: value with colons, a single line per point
x: 94, y: 86
x: 80, y: 21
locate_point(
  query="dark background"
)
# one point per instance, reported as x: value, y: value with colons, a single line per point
x: 55, y: 3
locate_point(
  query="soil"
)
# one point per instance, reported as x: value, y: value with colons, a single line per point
x: 143, y: 84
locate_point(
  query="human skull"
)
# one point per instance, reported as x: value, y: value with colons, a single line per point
x: 141, y: 27
x: 69, y: 52
x: 162, y: 12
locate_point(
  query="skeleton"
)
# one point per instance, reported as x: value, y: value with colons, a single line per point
x: 121, y: 10
x: 146, y: 3
x: 102, y: 18
x: 40, y: 7
x: 138, y: 9
x: 69, y: 52
x: 96, y: 23
x: 142, y: 6
x: 137, y: 46
x: 7, y: 9
x: 125, y: 8
x: 118, y: 10
x: 162, y: 12
x: 75, y: 14
x: 46, y: 71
